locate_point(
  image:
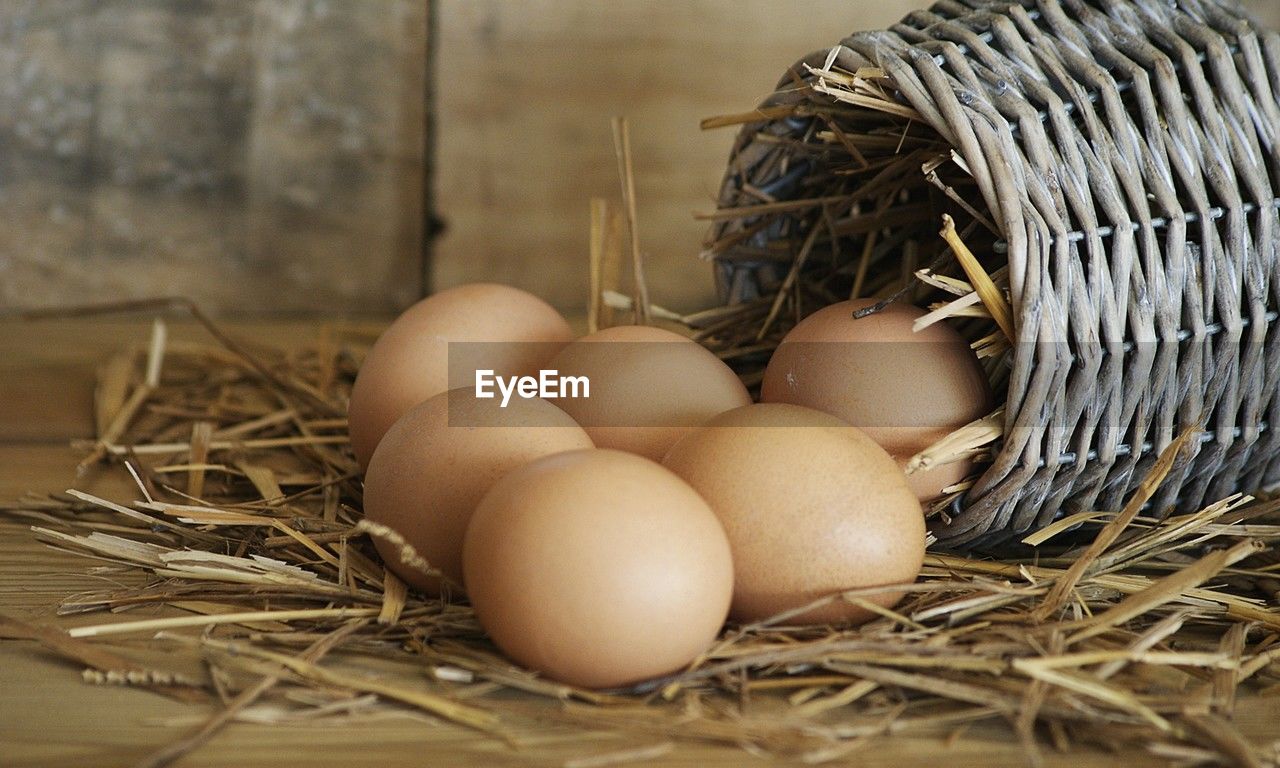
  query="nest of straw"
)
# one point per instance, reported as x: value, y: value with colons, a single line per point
x: 248, y: 523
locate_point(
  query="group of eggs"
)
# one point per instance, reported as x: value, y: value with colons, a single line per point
x: 603, y: 540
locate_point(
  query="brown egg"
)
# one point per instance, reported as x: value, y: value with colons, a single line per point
x: 410, y: 362
x: 811, y: 505
x: 906, y: 390
x: 438, y: 460
x: 598, y: 568
x: 649, y: 387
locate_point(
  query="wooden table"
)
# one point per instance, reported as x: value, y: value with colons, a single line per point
x: 50, y: 717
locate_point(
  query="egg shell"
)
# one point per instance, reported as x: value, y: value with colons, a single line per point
x: 649, y: 387
x: 509, y: 331
x: 811, y: 505
x: 598, y: 568
x: 439, y: 459
x: 905, y: 389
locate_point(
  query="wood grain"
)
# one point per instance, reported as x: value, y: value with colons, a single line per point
x: 264, y: 157
x: 260, y: 157
x: 527, y: 92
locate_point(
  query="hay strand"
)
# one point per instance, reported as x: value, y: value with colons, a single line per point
x: 982, y: 283
x: 627, y: 177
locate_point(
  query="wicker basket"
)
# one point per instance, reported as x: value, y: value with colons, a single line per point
x: 1117, y: 162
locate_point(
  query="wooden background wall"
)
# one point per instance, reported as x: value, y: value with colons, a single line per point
x: 527, y: 91
x: 264, y: 156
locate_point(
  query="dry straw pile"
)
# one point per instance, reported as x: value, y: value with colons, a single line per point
x: 248, y: 523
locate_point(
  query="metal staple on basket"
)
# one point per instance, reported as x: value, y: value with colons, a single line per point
x: 1127, y: 153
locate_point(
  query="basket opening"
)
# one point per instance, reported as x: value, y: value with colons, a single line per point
x: 848, y: 202
x: 875, y: 187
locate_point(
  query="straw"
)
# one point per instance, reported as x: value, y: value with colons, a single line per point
x: 1068, y: 644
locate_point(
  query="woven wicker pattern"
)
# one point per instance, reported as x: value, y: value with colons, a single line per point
x: 1128, y: 152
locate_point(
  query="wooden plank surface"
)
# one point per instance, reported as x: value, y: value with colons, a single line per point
x: 527, y: 92
x: 245, y: 154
